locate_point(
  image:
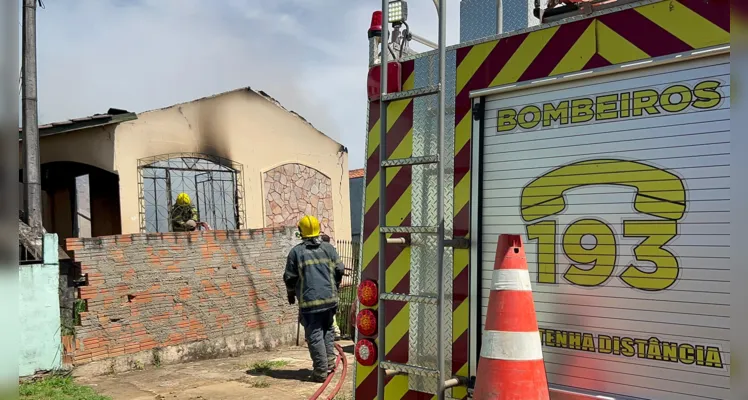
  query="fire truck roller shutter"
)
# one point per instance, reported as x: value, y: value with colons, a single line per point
x: 620, y: 186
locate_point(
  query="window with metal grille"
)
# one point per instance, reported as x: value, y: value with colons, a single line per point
x: 213, y: 184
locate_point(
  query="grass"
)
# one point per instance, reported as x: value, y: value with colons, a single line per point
x: 260, y: 384
x: 57, y: 388
x: 263, y: 367
x: 156, y: 357
x: 79, y: 307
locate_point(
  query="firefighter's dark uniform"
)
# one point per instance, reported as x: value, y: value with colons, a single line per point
x: 180, y: 214
x: 313, y: 275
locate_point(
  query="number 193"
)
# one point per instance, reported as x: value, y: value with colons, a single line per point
x: 592, y: 265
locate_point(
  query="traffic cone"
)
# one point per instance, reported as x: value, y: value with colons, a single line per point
x: 511, y: 359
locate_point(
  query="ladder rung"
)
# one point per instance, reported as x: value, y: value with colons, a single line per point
x: 397, y: 162
x: 412, y: 298
x: 409, y: 94
x: 409, y: 369
x: 408, y: 229
x: 398, y: 240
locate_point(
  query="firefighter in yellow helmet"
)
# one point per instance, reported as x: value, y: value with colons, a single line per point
x: 313, y: 275
x: 184, y: 216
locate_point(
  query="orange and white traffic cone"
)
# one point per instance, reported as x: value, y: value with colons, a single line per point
x: 511, y: 359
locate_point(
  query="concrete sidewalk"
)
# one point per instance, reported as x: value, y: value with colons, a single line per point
x: 224, y: 379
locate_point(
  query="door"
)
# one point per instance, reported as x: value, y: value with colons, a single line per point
x: 216, y: 199
x: 620, y: 186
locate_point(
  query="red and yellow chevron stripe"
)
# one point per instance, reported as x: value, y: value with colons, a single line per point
x: 653, y: 30
x: 398, y: 195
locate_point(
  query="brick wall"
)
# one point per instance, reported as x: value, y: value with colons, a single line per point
x: 172, y: 297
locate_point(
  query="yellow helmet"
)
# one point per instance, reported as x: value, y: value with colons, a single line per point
x: 183, y: 199
x: 308, y: 226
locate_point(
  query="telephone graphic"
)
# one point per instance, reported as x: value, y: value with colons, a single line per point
x: 659, y: 194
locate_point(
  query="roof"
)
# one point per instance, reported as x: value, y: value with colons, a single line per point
x: 115, y: 116
x: 356, y: 173
x: 112, y: 116
x: 262, y: 94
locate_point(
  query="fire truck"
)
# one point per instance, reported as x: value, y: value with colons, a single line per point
x: 597, y: 130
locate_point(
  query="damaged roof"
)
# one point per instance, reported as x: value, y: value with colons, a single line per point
x: 115, y: 116
x: 112, y: 116
x: 263, y: 94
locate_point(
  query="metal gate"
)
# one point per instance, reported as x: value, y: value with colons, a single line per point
x: 216, y: 203
x: 348, y: 252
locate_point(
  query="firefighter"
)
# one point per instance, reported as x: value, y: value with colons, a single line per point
x: 184, y: 216
x: 313, y: 275
x: 335, y: 326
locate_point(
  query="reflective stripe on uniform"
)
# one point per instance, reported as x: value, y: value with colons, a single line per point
x: 319, y: 302
x: 315, y: 303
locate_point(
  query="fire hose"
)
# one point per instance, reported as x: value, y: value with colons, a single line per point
x: 336, y: 389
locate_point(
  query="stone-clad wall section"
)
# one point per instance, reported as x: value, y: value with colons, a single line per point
x: 294, y: 190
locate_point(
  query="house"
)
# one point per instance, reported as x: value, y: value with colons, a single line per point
x: 357, y: 182
x: 245, y: 161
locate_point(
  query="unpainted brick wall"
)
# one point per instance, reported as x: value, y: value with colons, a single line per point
x: 152, y: 291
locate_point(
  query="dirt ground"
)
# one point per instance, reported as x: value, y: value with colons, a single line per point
x: 225, y: 379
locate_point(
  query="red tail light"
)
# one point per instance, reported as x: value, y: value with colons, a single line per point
x: 368, y: 294
x: 366, y: 323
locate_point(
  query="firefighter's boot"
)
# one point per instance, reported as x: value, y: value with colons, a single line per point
x: 318, y: 377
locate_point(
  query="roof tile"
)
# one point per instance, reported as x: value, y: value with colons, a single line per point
x: 356, y: 173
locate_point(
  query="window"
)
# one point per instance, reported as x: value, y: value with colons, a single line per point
x: 214, y: 185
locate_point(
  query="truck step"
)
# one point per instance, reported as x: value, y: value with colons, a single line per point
x: 409, y: 94
x: 413, y: 298
x: 399, y: 162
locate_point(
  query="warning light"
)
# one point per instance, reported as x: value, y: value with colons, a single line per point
x: 375, y: 29
x: 366, y: 323
x: 367, y: 293
x: 366, y: 352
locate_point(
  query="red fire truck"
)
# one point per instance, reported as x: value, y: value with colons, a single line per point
x: 602, y: 135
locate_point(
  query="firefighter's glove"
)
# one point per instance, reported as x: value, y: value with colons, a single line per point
x: 291, y: 298
x: 191, y: 223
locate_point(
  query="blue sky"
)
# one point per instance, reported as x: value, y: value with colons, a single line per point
x: 311, y: 55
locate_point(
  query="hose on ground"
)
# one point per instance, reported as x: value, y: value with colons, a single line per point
x: 342, y: 374
x: 340, y: 356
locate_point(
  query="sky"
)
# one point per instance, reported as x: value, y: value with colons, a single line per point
x: 139, y: 55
